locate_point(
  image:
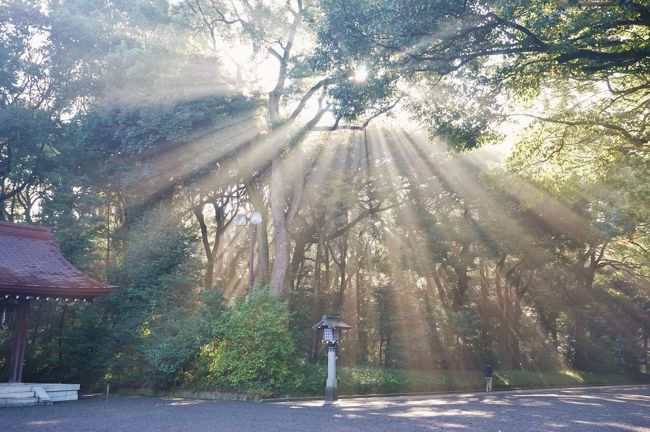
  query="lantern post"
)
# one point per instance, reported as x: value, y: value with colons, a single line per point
x: 331, y: 326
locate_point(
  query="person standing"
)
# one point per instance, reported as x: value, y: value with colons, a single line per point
x: 487, y: 371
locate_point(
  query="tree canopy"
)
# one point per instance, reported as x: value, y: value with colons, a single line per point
x: 463, y: 181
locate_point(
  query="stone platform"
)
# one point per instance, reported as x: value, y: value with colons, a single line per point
x: 22, y: 394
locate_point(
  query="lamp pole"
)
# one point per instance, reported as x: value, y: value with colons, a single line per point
x: 252, y: 222
x: 331, y: 388
x: 331, y: 337
x: 331, y: 326
x: 251, y: 255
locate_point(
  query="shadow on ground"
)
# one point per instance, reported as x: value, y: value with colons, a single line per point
x: 587, y: 409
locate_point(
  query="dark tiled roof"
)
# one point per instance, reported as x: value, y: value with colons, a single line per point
x: 331, y: 321
x: 31, y: 264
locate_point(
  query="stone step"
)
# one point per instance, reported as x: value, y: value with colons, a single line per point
x: 31, y: 393
x: 42, y: 395
x: 60, y: 387
x: 14, y: 388
x: 63, y: 396
x: 19, y: 401
x: 17, y: 395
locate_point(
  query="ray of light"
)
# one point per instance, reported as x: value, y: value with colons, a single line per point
x: 405, y: 297
x: 548, y: 216
x: 502, y: 214
x: 473, y: 191
x: 165, y: 167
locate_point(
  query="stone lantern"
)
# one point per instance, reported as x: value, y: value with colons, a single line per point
x: 331, y: 326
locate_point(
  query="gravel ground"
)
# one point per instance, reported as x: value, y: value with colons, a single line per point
x: 623, y: 408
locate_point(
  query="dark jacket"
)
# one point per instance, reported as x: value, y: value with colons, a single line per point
x: 487, y: 371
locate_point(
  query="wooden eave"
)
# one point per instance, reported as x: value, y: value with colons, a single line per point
x: 31, y: 265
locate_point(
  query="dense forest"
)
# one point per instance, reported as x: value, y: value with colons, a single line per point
x: 463, y: 182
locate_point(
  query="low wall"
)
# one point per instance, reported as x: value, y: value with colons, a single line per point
x: 186, y: 394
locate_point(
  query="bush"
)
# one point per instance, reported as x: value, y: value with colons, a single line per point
x: 254, y: 349
x: 367, y: 380
x: 174, y: 339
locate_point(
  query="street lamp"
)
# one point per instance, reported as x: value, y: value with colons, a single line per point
x: 242, y: 220
x: 331, y: 325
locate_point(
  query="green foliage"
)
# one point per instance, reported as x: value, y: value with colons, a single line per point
x: 173, y: 339
x: 27, y: 153
x: 72, y: 211
x: 132, y: 130
x: 364, y: 380
x: 158, y: 252
x: 308, y: 379
x: 254, y: 349
x: 158, y: 284
x: 116, y: 122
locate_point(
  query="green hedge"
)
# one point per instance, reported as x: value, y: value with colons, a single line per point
x: 364, y: 380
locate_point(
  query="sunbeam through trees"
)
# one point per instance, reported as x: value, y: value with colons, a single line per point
x: 463, y: 182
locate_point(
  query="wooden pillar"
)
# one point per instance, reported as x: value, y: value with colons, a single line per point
x: 19, y: 343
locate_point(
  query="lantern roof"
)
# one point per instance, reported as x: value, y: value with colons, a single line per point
x: 331, y: 321
x: 31, y: 264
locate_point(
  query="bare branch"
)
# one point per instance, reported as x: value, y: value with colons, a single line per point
x: 610, y: 126
x: 305, y: 98
x: 360, y: 127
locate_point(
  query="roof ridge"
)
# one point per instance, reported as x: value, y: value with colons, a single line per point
x: 25, y: 230
x: 32, y: 264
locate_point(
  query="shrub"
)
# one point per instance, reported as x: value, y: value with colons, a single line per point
x: 175, y: 338
x: 368, y: 380
x: 308, y: 379
x: 254, y: 349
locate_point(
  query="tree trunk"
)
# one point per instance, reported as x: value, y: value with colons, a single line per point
x: 297, y: 261
x: 279, y: 274
x: 484, y: 311
x: 262, y: 233
x: 2, y: 202
x: 263, y: 251
x: 343, y: 267
x: 433, y: 280
x: 438, y: 354
x: 60, y: 336
x: 108, y: 235
x: 317, y: 303
x: 209, y: 266
x: 646, y: 336
x: 358, y: 293
x: 326, y: 258
x: 585, y: 271
x: 461, y: 288
x: 317, y: 280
